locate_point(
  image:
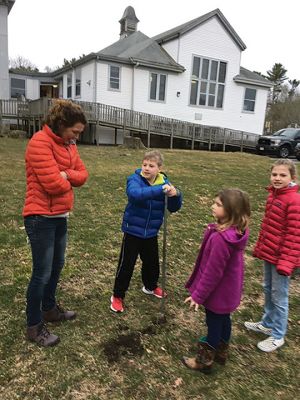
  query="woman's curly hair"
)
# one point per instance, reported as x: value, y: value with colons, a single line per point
x: 64, y: 114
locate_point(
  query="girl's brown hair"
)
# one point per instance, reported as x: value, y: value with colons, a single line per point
x: 237, y: 209
x: 64, y: 114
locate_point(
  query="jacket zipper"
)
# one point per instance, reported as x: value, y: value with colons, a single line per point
x: 148, y: 219
x: 50, y: 203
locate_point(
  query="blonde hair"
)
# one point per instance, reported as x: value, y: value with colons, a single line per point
x: 154, y: 155
x: 236, y: 207
x: 288, y: 163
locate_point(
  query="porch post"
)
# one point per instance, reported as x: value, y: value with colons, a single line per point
x: 172, y: 135
x: 209, y: 139
x: 116, y: 135
x: 149, y: 131
x: 224, y: 140
x: 193, y: 137
x: 242, y: 142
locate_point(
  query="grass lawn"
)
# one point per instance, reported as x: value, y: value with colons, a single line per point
x: 107, y: 356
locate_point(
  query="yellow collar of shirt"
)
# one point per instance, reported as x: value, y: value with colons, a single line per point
x: 159, y: 180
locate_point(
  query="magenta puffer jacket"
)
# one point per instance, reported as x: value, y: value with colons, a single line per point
x: 217, y: 279
x: 279, y: 237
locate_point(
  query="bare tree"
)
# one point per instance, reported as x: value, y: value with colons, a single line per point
x: 294, y: 84
x: 283, y: 114
x: 22, y: 64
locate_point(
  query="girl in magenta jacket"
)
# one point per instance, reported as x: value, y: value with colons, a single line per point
x: 217, y: 279
x: 278, y: 246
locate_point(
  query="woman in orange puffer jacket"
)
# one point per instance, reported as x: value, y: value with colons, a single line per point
x: 53, y: 167
x: 278, y: 246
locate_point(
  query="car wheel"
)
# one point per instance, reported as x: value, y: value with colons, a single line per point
x: 298, y: 158
x: 284, y: 152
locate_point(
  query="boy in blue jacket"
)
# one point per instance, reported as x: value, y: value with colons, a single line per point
x: 143, y: 216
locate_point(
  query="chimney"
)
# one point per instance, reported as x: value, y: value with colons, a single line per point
x: 128, y: 22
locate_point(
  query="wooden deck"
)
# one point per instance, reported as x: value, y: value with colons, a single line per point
x: 32, y: 113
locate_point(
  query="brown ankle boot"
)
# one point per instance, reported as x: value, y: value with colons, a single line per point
x: 204, y: 359
x: 57, y: 314
x: 40, y: 334
x: 222, y: 353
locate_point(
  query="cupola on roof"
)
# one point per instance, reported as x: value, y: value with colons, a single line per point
x: 128, y: 22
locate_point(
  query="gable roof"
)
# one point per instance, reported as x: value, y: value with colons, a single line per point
x: 186, y: 27
x: 8, y: 3
x: 251, y: 78
x: 139, y: 48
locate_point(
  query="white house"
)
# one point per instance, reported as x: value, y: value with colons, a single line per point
x: 191, y: 72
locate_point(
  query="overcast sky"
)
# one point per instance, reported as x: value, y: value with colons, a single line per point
x: 47, y: 31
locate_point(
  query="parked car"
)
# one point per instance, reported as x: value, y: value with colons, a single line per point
x: 297, y: 151
x: 282, y: 142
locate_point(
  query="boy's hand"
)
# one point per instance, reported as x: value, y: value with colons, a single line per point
x: 169, y: 190
x: 192, y: 303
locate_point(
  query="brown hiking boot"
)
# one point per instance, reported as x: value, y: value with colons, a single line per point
x: 204, y: 359
x: 57, y: 314
x: 222, y: 353
x: 40, y: 334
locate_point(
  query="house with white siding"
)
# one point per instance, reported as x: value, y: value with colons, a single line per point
x: 191, y: 72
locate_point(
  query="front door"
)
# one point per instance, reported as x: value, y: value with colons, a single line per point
x: 49, y: 90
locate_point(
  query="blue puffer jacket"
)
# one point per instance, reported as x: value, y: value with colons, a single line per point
x: 144, y: 212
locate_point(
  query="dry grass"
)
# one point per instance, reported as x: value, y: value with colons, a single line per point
x: 107, y: 356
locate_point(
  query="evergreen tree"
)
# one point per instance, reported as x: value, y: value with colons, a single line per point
x: 277, y: 75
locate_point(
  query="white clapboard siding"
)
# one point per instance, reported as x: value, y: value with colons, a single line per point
x: 208, y: 40
x: 119, y: 98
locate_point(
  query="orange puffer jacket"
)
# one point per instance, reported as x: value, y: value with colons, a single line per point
x: 279, y: 237
x: 47, y: 192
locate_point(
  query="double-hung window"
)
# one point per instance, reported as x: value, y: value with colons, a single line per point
x: 114, y: 77
x: 249, y: 100
x: 208, y: 82
x: 69, y: 85
x: 78, y: 82
x: 17, y: 87
x: 158, y: 87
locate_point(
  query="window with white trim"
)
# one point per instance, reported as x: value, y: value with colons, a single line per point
x: 249, y: 100
x: 114, y: 77
x: 17, y: 88
x: 208, y: 82
x: 69, y: 85
x: 158, y: 86
x: 78, y: 82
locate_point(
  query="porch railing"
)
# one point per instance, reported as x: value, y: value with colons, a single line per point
x: 125, y: 119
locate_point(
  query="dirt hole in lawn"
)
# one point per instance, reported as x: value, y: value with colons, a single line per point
x: 129, y: 345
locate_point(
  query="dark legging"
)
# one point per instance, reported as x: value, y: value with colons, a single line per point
x: 218, y: 328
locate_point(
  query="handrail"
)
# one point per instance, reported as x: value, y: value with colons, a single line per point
x: 98, y: 113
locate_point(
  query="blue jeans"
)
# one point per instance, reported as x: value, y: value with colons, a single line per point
x: 276, y: 289
x: 218, y: 328
x: 48, y: 239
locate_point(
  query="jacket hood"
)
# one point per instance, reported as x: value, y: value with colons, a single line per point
x: 232, y: 237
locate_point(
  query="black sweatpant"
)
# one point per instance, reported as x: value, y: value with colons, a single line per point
x: 147, y: 249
